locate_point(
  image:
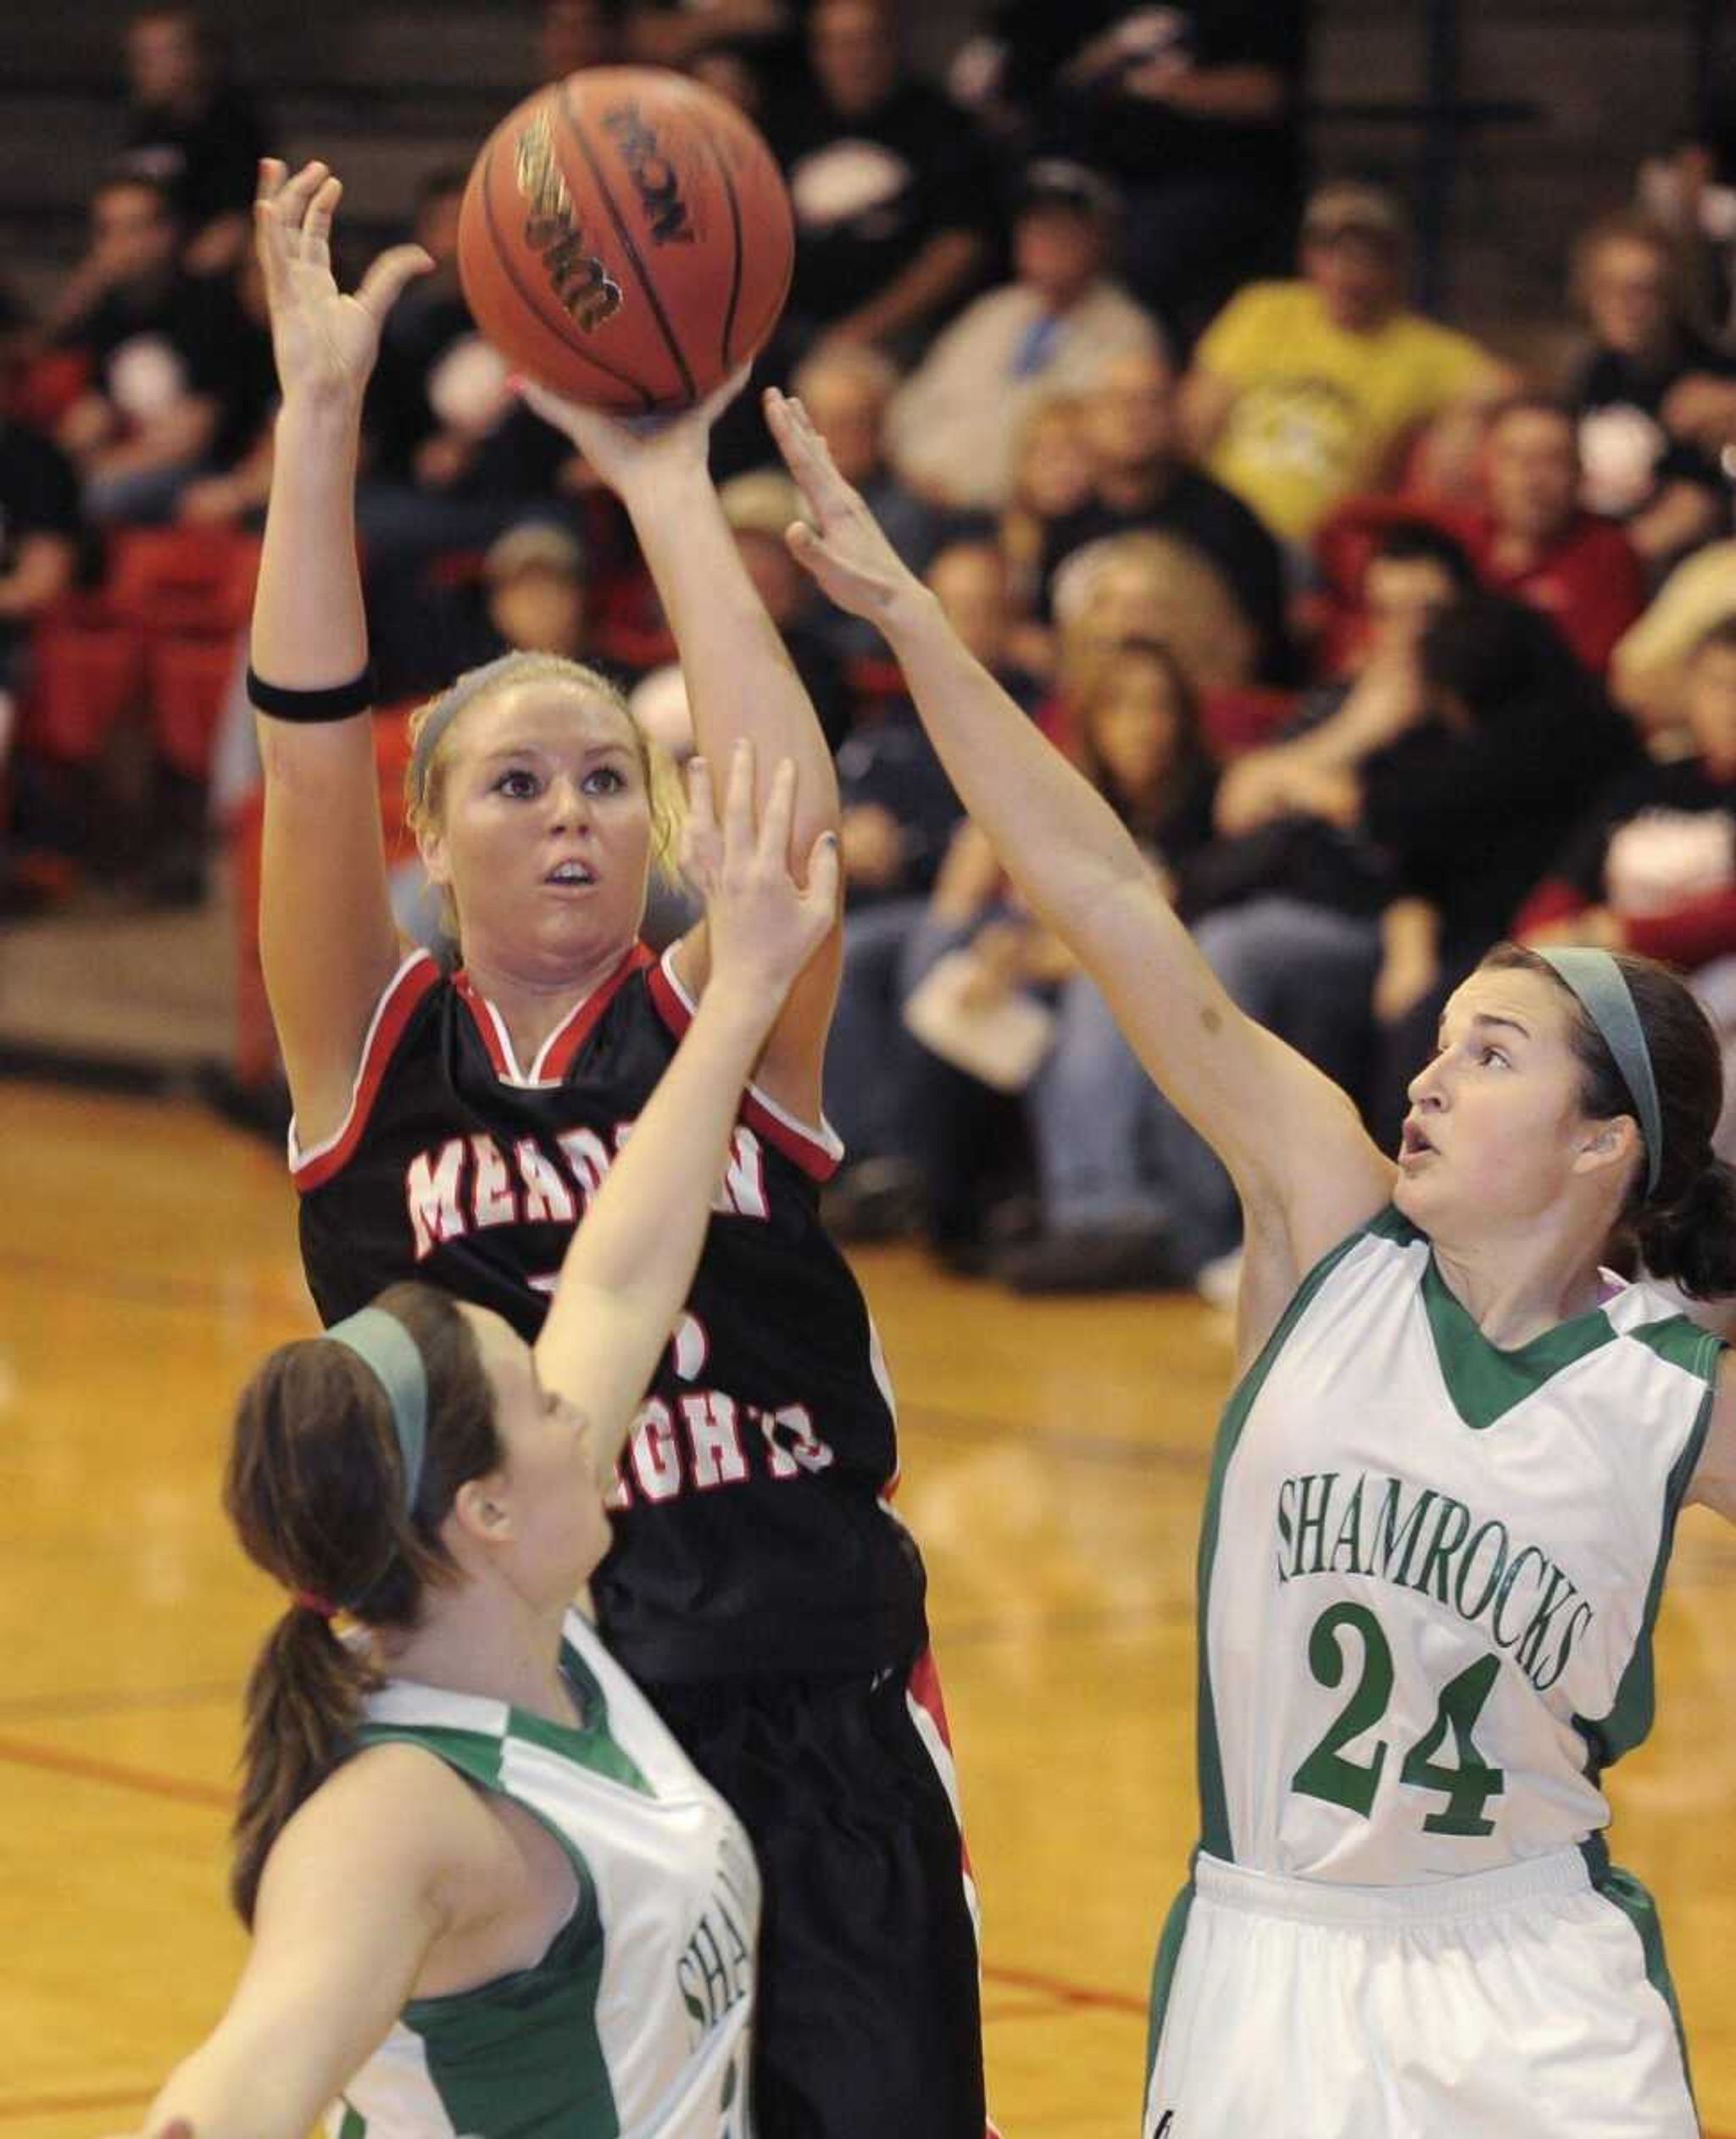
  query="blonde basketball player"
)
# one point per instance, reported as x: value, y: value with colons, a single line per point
x: 489, y: 1894
x: 1443, y: 1497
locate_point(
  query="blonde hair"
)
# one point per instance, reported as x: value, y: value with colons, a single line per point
x: 1186, y: 603
x: 431, y: 726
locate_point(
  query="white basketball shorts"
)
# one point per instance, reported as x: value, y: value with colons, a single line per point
x: 1511, y: 2004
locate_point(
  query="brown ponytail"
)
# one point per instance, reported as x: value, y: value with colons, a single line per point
x: 315, y: 1491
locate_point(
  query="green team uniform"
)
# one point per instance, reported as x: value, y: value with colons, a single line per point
x: 1428, y: 1579
x: 635, y: 2023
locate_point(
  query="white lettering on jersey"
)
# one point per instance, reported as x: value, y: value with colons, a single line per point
x: 492, y: 1197
x: 1426, y: 1541
x: 714, y: 1439
x: 431, y: 1190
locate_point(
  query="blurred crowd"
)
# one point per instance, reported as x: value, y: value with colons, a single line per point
x: 1385, y: 644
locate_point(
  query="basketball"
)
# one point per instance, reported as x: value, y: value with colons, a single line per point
x: 626, y: 239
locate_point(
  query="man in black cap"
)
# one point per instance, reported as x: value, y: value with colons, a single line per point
x: 953, y: 424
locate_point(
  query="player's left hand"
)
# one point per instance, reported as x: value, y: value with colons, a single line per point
x: 845, y: 549
x: 629, y: 453
x: 763, y: 926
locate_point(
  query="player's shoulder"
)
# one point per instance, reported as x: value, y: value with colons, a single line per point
x: 394, y: 1816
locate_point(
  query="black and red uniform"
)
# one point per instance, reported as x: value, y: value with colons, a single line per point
x: 760, y: 1586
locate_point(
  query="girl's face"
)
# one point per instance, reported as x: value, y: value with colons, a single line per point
x: 545, y: 832
x: 1136, y: 723
x: 547, y: 1480
x: 1495, y: 1134
x: 1054, y: 472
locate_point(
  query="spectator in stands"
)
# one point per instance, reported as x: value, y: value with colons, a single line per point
x: 571, y: 34
x: 1194, y: 108
x: 39, y: 551
x: 953, y: 424
x: 847, y: 390
x: 1647, y: 671
x: 1371, y: 858
x: 1656, y: 404
x: 195, y: 131
x: 177, y: 369
x: 1652, y: 868
x: 453, y: 455
x: 1142, y: 481
x: 893, y: 187
x: 234, y: 494
x: 1117, y: 1207
x: 1052, y: 475
x: 1144, y: 584
x: 1304, y: 391
x: 899, y: 815
x: 1534, y: 542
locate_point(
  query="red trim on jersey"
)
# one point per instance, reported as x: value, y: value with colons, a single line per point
x: 562, y: 1046
x: 807, y: 1150
x: 556, y: 1054
x: 411, y: 983
x: 482, y: 1012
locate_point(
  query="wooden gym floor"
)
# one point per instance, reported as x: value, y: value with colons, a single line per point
x: 1055, y: 1456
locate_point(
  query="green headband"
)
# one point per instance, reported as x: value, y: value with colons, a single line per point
x: 388, y: 1351
x: 1601, y: 986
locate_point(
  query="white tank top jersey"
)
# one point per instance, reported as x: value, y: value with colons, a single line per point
x: 635, y: 2024
x: 1429, y: 1572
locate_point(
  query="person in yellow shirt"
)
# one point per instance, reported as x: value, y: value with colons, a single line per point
x: 1306, y: 391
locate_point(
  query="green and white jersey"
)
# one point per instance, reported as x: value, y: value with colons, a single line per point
x: 636, y: 2021
x: 1430, y: 1570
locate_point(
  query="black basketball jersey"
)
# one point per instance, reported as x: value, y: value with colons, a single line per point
x: 752, y: 1528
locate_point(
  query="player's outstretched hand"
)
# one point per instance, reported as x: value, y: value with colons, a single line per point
x: 763, y: 926
x: 632, y: 453
x: 844, y: 549
x: 324, y: 342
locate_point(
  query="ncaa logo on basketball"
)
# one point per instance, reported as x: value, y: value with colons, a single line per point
x: 587, y: 292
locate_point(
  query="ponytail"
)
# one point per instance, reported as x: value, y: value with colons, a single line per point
x: 316, y: 1490
x: 1694, y: 1241
x: 303, y: 1701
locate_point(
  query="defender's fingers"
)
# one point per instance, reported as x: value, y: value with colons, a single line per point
x: 700, y: 844
x: 776, y: 815
x: 824, y: 870
x: 739, y: 801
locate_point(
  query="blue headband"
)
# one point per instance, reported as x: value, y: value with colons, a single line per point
x: 387, y: 1348
x: 1601, y: 986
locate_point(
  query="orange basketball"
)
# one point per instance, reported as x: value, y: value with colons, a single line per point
x: 626, y: 238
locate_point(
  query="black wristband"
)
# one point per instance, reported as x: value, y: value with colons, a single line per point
x: 337, y: 703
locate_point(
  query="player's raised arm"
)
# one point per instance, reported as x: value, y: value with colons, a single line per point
x: 632, y: 1263
x: 327, y: 938
x: 1288, y: 1136
x: 739, y: 678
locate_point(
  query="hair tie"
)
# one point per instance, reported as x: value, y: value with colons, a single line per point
x: 1596, y: 979
x: 383, y: 1345
x: 311, y: 1600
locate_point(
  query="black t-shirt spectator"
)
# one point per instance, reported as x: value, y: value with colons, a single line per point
x: 1201, y: 511
x: 1628, y: 455
x: 210, y: 162
x: 426, y: 334
x: 1138, y: 138
x: 38, y: 496
x: 190, y: 337
x: 870, y: 191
